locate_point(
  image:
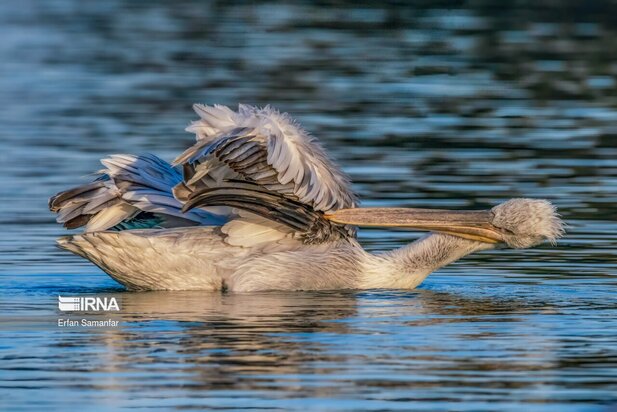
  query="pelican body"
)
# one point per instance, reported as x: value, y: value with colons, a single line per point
x: 256, y: 204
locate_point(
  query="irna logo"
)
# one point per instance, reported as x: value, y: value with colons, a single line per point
x: 83, y: 304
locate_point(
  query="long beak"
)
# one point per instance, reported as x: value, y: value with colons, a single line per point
x: 473, y: 225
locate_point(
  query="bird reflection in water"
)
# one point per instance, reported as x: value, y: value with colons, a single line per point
x: 258, y: 341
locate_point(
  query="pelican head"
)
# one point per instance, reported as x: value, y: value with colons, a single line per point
x: 524, y: 223
x: 518, y: 223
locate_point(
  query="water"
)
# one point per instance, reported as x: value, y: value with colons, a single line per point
x: 458, y: 107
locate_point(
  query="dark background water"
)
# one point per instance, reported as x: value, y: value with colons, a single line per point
x: 428, y: 104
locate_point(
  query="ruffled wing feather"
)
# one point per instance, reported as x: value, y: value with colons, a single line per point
x: 265, y: 147
x: 127, y: 186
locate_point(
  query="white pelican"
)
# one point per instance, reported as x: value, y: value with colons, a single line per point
x: 256, y: 204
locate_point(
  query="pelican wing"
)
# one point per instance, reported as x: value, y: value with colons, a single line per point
x: 304, y: 223
x: 258, y: 147
x: 264, y: 147
x: 127, y: 187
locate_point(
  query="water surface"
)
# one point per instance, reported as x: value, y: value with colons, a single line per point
x: 457, y: 107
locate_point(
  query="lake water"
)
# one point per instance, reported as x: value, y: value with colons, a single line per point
x: 452, y: 107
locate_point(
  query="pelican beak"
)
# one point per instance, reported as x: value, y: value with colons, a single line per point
x: 473, y: 225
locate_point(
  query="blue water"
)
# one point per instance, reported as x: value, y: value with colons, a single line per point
x: 451, y: 107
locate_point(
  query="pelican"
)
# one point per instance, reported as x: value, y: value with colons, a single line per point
x: 256, y: 204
